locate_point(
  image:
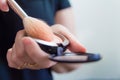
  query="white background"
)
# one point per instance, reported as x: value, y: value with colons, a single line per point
x: 98, y: 28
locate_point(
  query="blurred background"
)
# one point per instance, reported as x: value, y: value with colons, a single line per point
x: 98, y: 29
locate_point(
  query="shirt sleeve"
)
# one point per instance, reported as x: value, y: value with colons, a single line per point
x: 62, y: 4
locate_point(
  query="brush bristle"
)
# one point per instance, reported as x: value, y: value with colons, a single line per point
x: 38, y: 29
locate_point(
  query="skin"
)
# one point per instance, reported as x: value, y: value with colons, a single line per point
x: 3, y: 6
x: 26, y: 50
x: 65, y: 17
x: 74, y: 46
x: 23, y: 51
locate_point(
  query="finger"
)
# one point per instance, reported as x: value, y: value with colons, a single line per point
x: 36, y: 54
x: 34, y: 66
x: 4, y: 6
x: 9, y: 59
x: 16, y: 58
x: 75, y: 45
x: 19, y: 48
x: 19, y: 55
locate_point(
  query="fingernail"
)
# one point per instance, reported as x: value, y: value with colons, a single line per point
x: 4, y: 6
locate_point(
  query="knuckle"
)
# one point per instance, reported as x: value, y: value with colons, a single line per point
x: 10, y: 64
x: 19, y: 56
x: 15, y: 58
x: 49, y: 64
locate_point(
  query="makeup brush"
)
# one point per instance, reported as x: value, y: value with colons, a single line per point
x: 34, y: 27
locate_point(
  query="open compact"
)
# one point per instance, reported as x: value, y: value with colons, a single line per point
x: 58, y: 54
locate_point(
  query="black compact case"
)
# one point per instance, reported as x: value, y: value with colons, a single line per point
x: 58, y: 52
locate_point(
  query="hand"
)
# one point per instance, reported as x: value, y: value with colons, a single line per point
x: 3, y: 6
x: 26, y: 53
x: 75, y: 45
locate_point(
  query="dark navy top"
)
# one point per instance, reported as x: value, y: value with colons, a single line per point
x: 10, y: 23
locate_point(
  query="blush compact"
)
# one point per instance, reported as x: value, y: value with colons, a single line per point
x: 58, y: 52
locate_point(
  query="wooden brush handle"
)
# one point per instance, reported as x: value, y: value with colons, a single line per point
x: 17, y: 9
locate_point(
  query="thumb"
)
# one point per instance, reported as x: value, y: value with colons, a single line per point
x: 74, y: 45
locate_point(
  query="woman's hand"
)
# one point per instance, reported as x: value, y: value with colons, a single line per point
x: 75, y: 45
x: 26, y: 53
x: 4, y: 6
